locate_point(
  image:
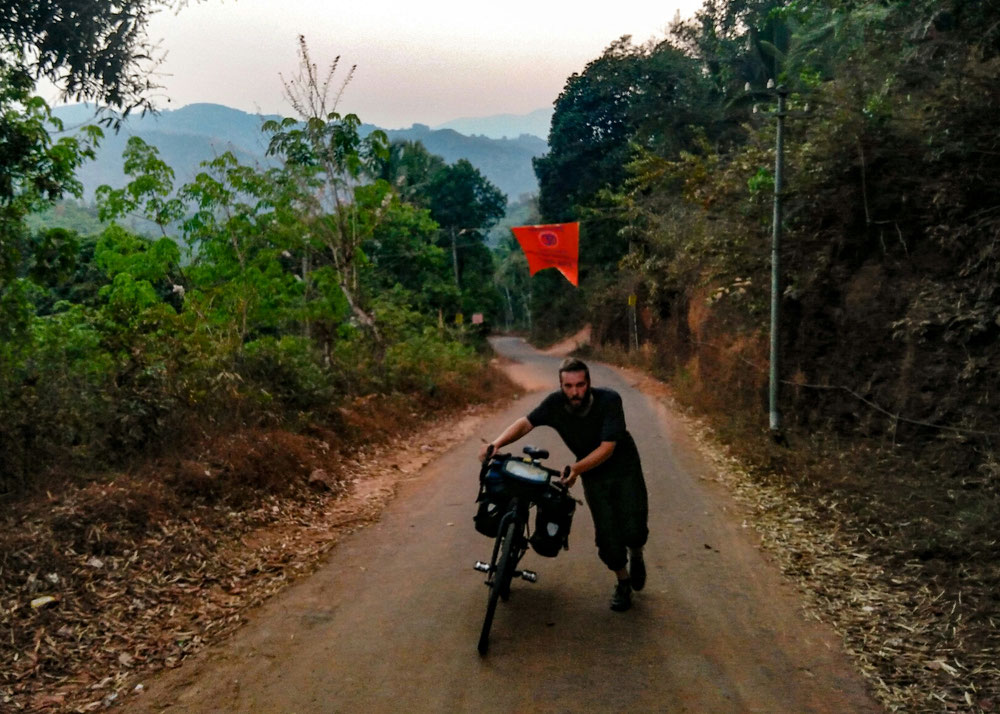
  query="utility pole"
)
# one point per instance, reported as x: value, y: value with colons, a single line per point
x: 306, y: 327
x: 779, y: 165
x: 510, y: 308
x: 633, y: 325
x: 454, y: 257
x: 774, y: 372
x: 527, y: 307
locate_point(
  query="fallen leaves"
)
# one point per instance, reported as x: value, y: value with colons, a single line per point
x: 927, y: 642
x: 44, y: 601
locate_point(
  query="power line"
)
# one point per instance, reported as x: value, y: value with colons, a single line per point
x: 864, y: 400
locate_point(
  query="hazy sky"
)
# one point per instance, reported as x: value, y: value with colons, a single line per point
x: 425, y: 62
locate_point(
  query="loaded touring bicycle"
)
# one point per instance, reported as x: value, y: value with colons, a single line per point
x: 510, y: 488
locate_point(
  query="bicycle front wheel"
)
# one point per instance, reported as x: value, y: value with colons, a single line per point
x: 500, y: 582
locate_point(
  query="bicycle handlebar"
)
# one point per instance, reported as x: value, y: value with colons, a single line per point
x: 556, y: 480
x: 490, y: 450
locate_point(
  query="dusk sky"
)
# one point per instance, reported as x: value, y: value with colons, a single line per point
x: 416, y: 62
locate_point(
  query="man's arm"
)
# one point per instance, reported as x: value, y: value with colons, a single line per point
x: 512, y: 433
x: 591, y: 461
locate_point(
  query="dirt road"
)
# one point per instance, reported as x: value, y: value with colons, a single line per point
x: 390, y: 623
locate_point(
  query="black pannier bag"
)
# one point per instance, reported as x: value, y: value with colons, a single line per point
x: 487, y: 518
x: 552, y: 523
x: 493, y: 501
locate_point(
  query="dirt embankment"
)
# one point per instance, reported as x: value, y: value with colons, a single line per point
x: 572, y: 343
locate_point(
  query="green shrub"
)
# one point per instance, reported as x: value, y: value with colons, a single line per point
x: 288, y: 371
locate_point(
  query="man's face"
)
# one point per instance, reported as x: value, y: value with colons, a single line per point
x: 575, y: 386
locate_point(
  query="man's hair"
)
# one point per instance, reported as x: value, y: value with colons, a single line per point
x: 572, y: 364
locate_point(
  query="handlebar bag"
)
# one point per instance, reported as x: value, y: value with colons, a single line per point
x: 553, y: 519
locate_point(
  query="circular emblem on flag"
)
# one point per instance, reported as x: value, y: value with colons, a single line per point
x: 548, y: 239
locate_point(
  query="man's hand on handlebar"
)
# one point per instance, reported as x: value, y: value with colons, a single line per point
x: 569, y: 477
x: 486, y: 452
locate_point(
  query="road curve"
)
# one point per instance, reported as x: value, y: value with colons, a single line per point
x: 390, y: 622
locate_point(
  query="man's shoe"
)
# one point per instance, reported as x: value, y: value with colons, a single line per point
x: 637, y: 572
x: 622, y: 598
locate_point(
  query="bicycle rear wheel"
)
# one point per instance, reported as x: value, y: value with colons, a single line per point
x: 500, y: 581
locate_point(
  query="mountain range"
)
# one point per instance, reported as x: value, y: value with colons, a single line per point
x: 195, y: 133
x: 504, y: 126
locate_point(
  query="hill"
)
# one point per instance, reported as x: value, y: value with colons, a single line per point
x: 504, y: 126
x: 187, y: 136
x: 505, y: 162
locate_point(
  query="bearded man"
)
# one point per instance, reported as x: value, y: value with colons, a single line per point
x: 591, y: 422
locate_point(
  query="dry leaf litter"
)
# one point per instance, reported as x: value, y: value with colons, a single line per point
x: 924, y: 644
x: 97, y: 590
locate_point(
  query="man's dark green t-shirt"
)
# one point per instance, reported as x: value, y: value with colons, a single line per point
x: 583, y: 431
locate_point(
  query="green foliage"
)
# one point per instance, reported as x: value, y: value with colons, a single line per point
x: 409, y: 167
x: 330, y: 145
x: 653, y: 99
x: 34, y: 172
x: 465, y: 205
x: 460, y: 198
x: 68, y: 214
x: 150, y: 189
x: 288, y: 374
x: 888, y: 250
x: 427, y: 363
x: 422, y: 357
x: 285, y: 291
x: 118, y: 251
x: 761, y: 182
x: 505, y: 162
x: 92, y: 49
x: 402, y: 254
x: 650, y: 94
x: 325, y: 159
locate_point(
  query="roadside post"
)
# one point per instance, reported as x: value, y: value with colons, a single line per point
x: 774, y: 371
x: 633, y: 325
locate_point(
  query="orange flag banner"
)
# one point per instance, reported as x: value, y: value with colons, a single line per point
x: 556, y: 245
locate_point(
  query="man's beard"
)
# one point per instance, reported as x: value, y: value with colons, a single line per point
x: 582, y: 405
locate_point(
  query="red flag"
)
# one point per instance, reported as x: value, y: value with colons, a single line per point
x: 556, y: 245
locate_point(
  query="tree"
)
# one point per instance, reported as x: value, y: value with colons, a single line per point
x: 402, y: 253
x: 461, y: 197
x: 326, y: 153
x: 410, y: 167
x: 34, y: 172
x: 91, y: 49
x: 650, y: 95
x: 465, y: 204
x: 651, y: 98
x: 150, y: 189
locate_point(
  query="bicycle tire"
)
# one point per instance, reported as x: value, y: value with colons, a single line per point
x: 501, y: 580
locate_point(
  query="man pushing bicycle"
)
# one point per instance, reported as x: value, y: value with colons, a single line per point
x: 591, y: 422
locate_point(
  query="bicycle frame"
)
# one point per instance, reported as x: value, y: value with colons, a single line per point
x: 518, y: 511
